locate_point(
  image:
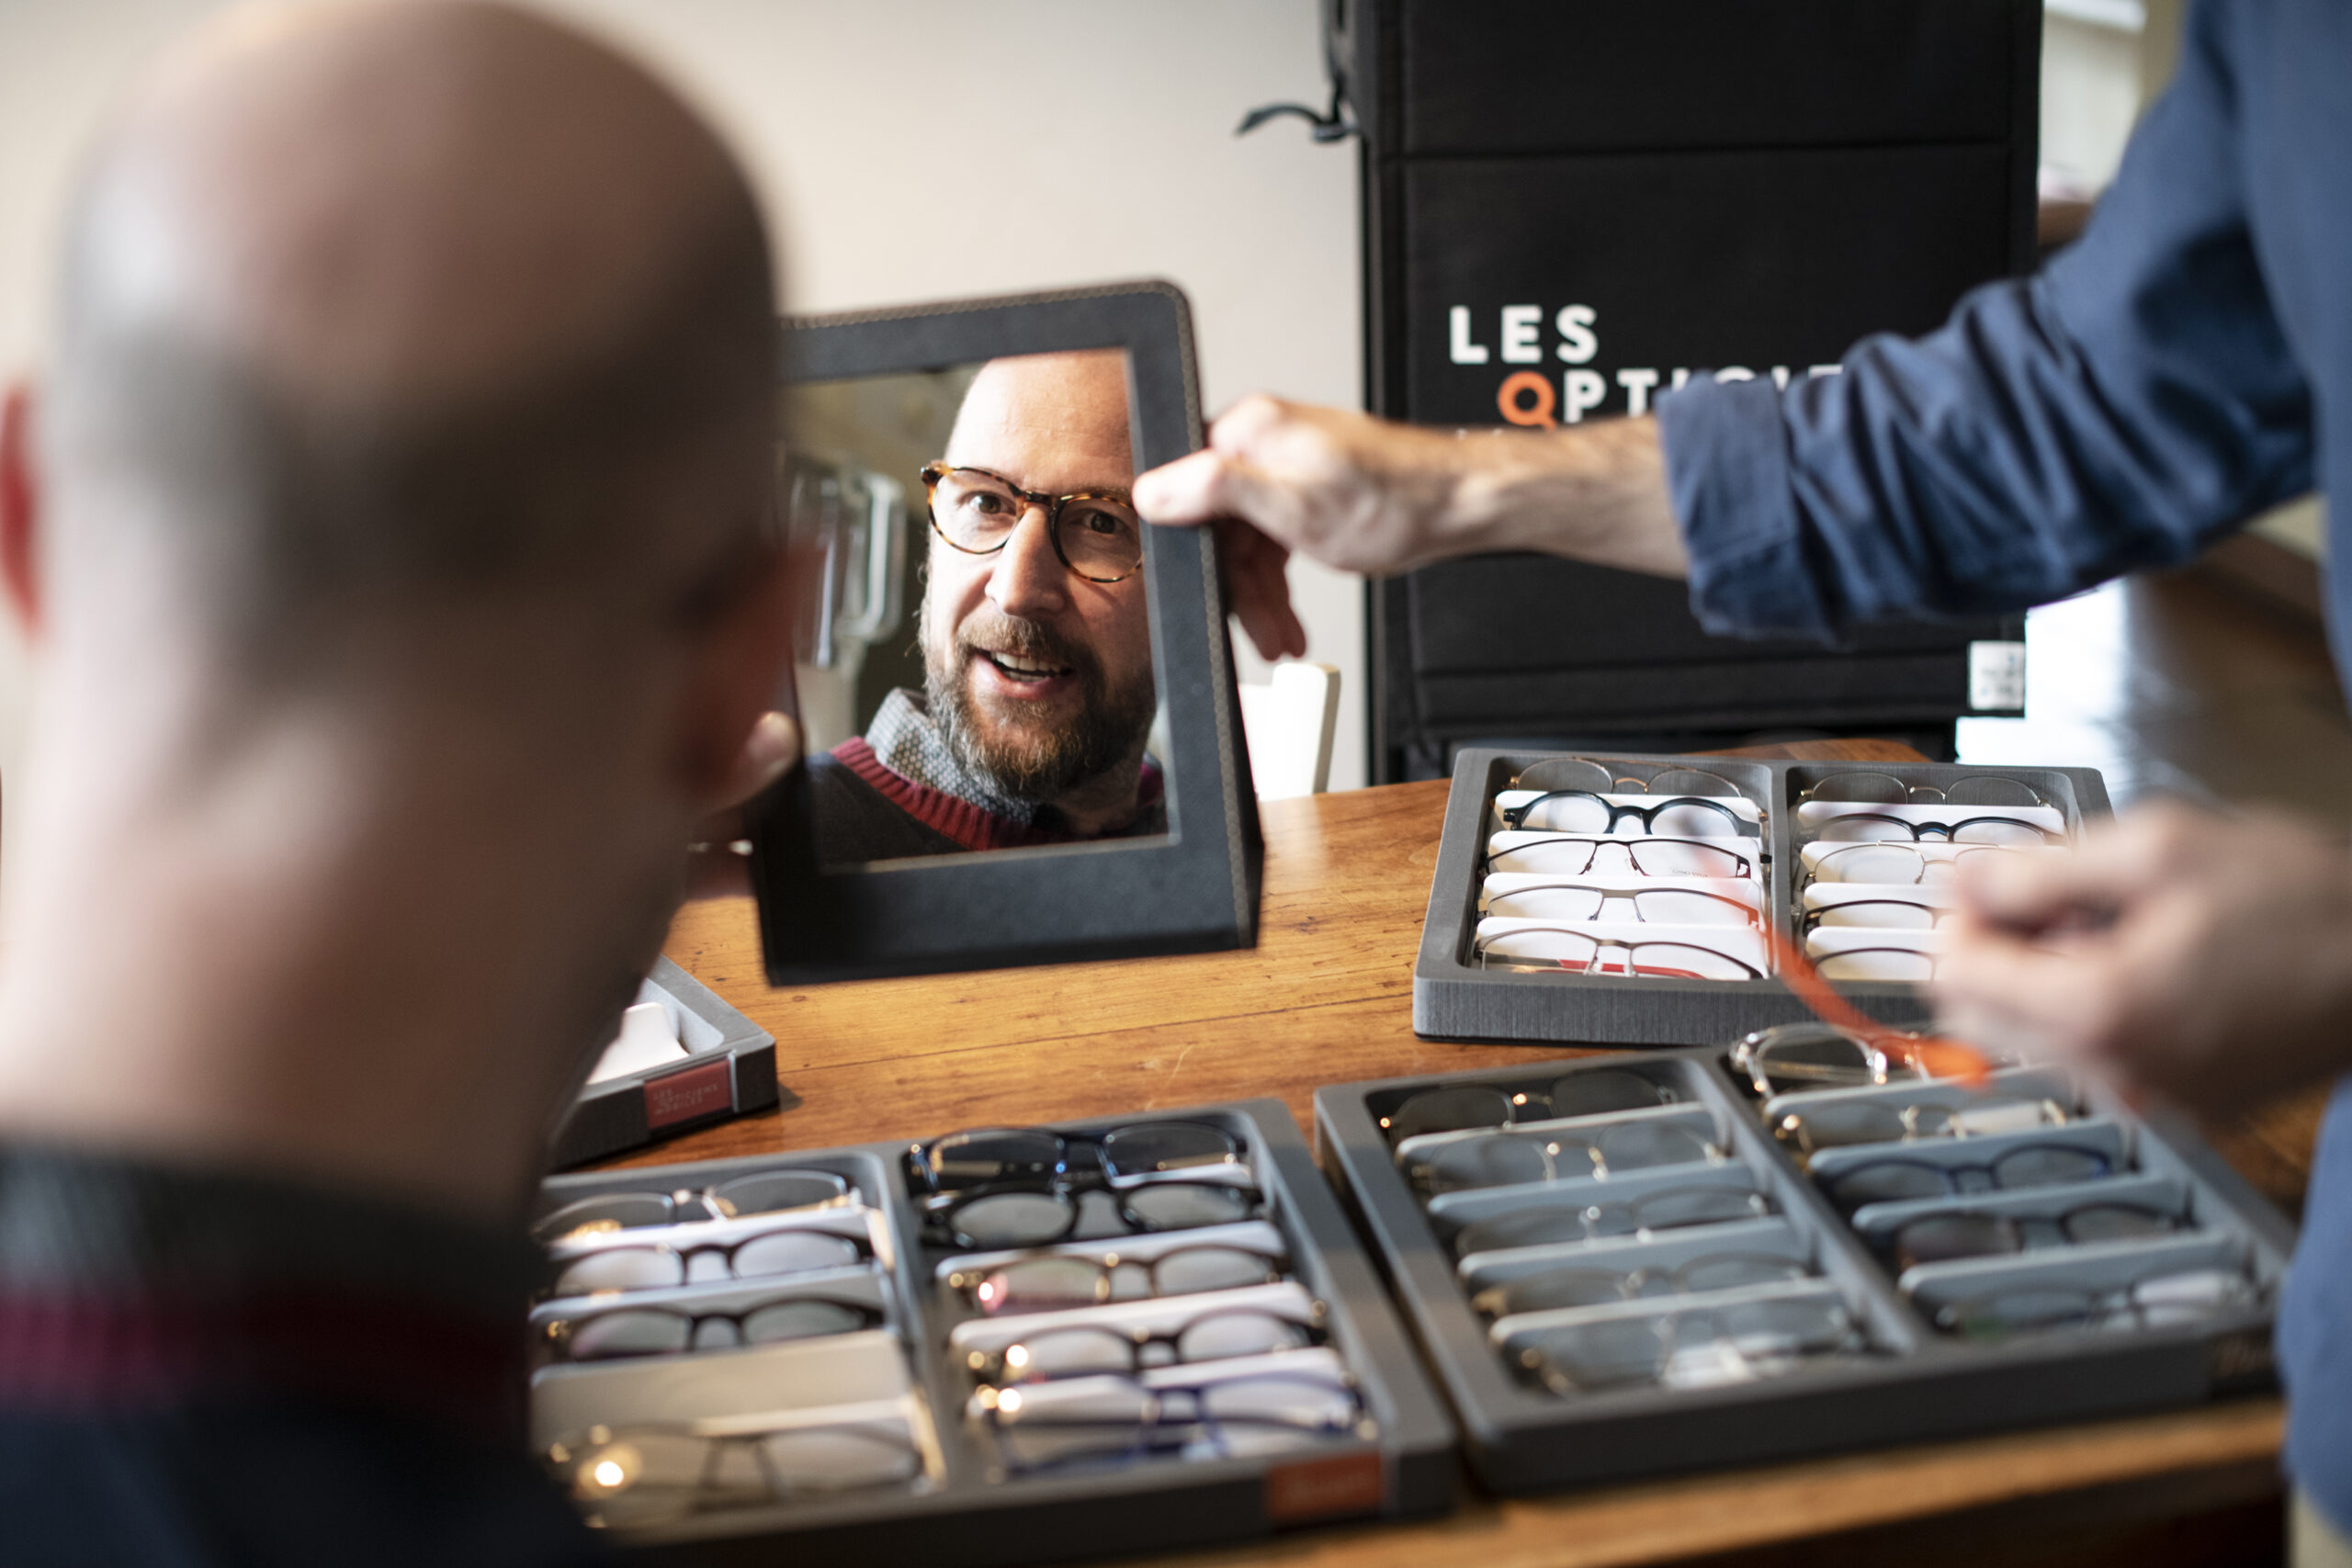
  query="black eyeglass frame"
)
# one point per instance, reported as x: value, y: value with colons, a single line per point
x: 1948, y: 1175
x: 560, y: 1331
x: 1918, y: 832
x: 1515, y: 817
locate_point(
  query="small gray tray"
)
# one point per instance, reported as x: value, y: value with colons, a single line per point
x: 730, y: 1069
x: 1920, y: 1384
x: 1455, y: 1000
x: 968, y: 1519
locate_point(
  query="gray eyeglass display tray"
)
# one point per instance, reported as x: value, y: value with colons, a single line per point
x: 1911, y: 1382
x: 730, y: 1068
x: 960, y: 1513
x: 1454, y: 998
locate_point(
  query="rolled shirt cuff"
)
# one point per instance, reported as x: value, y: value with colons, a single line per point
x: 1727, y: 474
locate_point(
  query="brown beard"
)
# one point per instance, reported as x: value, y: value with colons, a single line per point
x: 1027, y: 766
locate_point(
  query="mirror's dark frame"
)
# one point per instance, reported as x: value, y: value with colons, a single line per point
x: 1193, y: 891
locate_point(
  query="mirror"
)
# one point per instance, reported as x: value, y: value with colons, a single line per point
x: 995, y: 654
x: 974, y: 661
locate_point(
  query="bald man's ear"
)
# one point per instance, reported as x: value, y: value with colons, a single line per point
x: 738, y: 670
x: 19, y: 510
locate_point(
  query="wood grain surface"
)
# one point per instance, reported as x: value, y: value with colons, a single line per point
x: 1326, y: 998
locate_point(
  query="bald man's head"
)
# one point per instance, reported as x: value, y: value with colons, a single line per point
x: 387, y: 304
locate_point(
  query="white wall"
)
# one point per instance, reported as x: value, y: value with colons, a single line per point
x: 1097, y: 134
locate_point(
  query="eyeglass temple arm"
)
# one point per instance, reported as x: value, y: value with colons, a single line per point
x: 1943, y: 1057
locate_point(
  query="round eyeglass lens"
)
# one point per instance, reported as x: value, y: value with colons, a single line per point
x: 1940, y: 1238
x: 839, y: 1459
x: 1604, y: 1090
x: 1689, y: 819
x: 1223, y: 1335
x: 792, y: 1252
x: 1900, y: 965
x: 1448, y: 1111
x: 976, y: 1159
x: 1884, y: 864
x: 1185, y: 1205
x: 1312, y: 1404
x: 621, y: 1269
x: 1682, y: 907
x: 1067, y: 1353
x: 1552, y: 1290
x: 1149, y: 1146
x: 641, y: 1479
x: 599, y: 1216
x: 1500, y: 1159
x: 1777, y: 1331
x: 1809, y: 1055
x: 1885, y: 914
x: 1108, y: 1418
x: 1638, y: 1146
x: 1192, y: 1270
x: 2004, y: 831
x: 1731, y: 1271
x: 974, y: 510
x: 1888, y: 1181
x: 1523, y: 1227
x: 1566, y: 773
x: 1692, y: 781
x: 1863, y: 827
x: 2018, y: 1312
x: 1862, y: 789
x: 1992, y: 791
x: 2046, y: 1165
x: 1612, y: 1353
x: 1038, y: 1284
x: 780, y: 1321
x: 773, y: 1189
x: 631, y: 1332
x: 1838, y: 1123
x: 1575, y: 812
x: 1101, y: 540
x: 1012, y: 1218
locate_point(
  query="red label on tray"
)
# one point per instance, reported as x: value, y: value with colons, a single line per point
x: 681, y: 1097
x: 1324, y: 1488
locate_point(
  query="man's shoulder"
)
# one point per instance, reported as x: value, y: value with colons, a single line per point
x: 856, y: 818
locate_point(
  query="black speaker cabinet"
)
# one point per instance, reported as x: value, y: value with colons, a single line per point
x: 1571, y: 206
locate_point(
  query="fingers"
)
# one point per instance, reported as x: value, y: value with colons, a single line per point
x: 769, y: 752
x: 1258, y: 580
x: 2113, y: 868
x: 1996, y: 990
x: 1205, y: 487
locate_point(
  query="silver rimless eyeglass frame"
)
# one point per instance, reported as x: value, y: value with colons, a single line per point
x: 1864, y: 786
x: 1652, y: 855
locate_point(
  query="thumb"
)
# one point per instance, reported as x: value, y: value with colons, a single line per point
x: 769, y: 752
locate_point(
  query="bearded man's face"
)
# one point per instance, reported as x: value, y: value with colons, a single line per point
x: 1039, y: 678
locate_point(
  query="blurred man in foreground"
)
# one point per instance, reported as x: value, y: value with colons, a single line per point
x: 2184, y: 367
x: 387, y: 541
x: 1037, y: 638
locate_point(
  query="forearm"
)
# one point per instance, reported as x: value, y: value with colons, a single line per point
x: 1593, y: 493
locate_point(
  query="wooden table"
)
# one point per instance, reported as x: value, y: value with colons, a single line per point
x: 1326, y: 997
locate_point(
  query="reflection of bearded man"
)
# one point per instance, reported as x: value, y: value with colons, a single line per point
x: 1026, y: 759
x: 1037, y: 679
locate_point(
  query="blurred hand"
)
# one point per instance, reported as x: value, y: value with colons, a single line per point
x: 1355, y: 492
x: 2208, y: 958
x: 1372, y: 496
x: 715, y: 868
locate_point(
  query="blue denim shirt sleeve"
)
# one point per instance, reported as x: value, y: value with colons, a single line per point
x: 2120, y: 410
